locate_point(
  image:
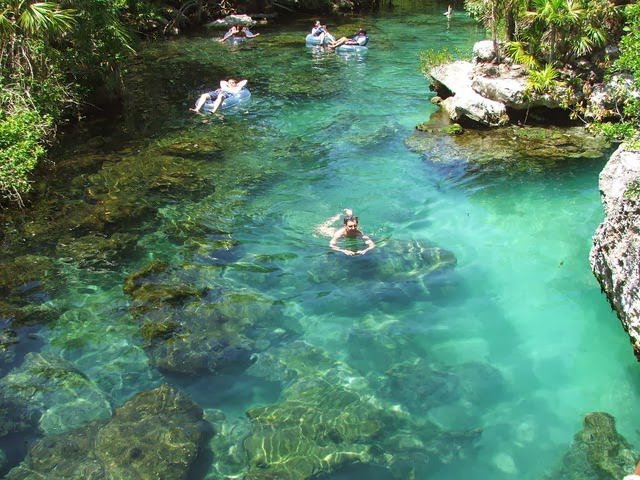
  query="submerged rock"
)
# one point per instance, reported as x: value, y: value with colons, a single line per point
x: 29, y: 279
x: 62, y: 397
x: 508, y: 149
x: 189, y: 329
x: 97, y: 251
x: 420, y: 386
x: 156, y: 434
x: 329, y: 417
x: 390, y: 261
x: 598, y: 452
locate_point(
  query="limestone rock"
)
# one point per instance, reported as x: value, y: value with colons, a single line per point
x: 615, y: 254
x: 607, y: 99
x: 484, y: 51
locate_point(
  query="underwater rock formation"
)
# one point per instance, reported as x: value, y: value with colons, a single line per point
x: 598, y: 452
x: 156, y: 434
x: 60, y: 396
x: 505, y: 150
x: 615, y: 254
x: 187, y: 328
x: 419, y: 386
x: 328, y: 417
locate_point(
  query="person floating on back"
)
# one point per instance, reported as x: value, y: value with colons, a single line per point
x: 350, y: 230
x: 359, y: 38
x: 217, y: 96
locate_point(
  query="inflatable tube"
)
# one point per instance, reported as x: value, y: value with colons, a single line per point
x: 235, y: 40
x: 312, y: 40
x: 351, y: 48
x: 229, y: 101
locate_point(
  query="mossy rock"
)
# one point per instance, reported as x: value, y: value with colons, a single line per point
x: 97, y: 251
x: 149, y: 271
x: 159, y: 330
x: 598, y: 452
x: 63, y: 396
x: 156, y: 434
x: 507, y: 149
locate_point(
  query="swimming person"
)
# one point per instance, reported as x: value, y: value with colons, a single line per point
x: 359, y: 38
x: 227, y: 87
x: 350, y: 230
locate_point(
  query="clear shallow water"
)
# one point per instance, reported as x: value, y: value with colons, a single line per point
x: 521, y: 298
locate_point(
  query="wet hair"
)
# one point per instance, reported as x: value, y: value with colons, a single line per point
x: 362, y: 30
x: 350, y: 218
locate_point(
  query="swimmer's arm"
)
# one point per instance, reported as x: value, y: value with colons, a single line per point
x: 224, y: 85
x: 370, y: 245
x: 334, y: 245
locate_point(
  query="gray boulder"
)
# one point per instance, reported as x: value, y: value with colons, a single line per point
x: 606, y: 99
x: 615, y: 254
x: 465, y: 102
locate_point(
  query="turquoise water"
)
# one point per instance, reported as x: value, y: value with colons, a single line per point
x: 321, y: 133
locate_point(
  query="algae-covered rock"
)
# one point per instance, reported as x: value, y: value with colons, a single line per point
x: 156, y: 434
x: 329, y: 417
x: 28, y: 279
x: 318, y: 429
x: 390, y: 261
x: 97, y: 251
x: 507, y: 149
x: 598, y: 452
x: 156, y: 286
x: 185, y: 332
x: 189, y: 342
x: 15, y: 416
x: 420, y: 386
x: 62, y: 397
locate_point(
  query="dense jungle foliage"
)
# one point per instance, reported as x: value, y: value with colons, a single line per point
x: 57, y: 59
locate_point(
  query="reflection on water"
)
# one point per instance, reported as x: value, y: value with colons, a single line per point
x: 176, y: 248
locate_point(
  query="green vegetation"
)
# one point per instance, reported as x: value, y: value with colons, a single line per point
x: 633, y: 190
x: 58, y: 58
x: 431, y: 58
x: 546, y: 36
x: 629, y: 62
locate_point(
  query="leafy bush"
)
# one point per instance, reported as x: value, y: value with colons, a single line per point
x: 633, y: 190
x: 629, y: 61
x: 21, y: 147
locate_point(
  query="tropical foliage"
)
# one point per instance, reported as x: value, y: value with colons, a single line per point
x: 629, y: 62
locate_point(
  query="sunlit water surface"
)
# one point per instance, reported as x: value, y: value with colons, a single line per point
x: 521, y: 298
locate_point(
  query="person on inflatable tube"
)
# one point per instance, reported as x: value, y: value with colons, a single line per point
x: 227, y: 87
x: 360, y: 39
x: 320, y: 31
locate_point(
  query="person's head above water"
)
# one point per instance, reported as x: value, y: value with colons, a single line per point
x: 350, y: 222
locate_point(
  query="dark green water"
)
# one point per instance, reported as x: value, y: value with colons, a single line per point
x: 517, y: 334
